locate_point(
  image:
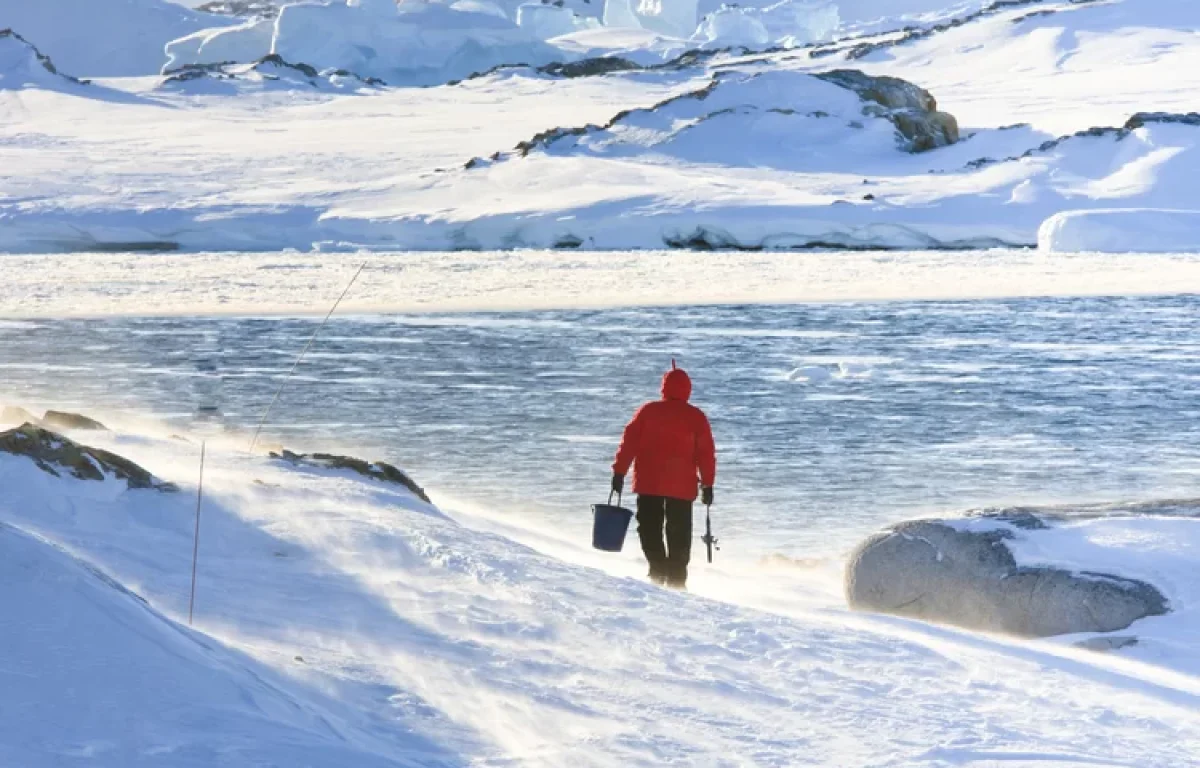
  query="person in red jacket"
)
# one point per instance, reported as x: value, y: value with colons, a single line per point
x: 670, y: 445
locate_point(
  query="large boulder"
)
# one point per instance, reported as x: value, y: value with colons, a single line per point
x: 912, y: 109
x: 966, y: 575
x: 67, y: 420
x: 55, y: 455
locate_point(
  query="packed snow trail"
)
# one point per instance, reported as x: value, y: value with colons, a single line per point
x: 504, y: 656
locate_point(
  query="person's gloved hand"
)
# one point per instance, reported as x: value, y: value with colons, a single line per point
x: 618, y: 483
x: 706, y: 495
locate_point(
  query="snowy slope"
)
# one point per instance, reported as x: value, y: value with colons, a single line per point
x: 94, y: 675
x: 22, y: 65
x: 436, y: 632
x: 104, y: 38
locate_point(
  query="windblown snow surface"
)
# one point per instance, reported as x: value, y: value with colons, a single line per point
x: 341, y: 622
x: 1064, y: 106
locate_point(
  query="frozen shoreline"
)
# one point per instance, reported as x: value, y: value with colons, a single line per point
x: 75, y: 285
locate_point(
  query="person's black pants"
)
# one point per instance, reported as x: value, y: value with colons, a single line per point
x: 668, y: 564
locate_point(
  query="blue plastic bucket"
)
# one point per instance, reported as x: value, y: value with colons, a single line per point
x: 609, y: 526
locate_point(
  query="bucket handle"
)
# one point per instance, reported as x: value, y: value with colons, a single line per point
x: 610, y: 495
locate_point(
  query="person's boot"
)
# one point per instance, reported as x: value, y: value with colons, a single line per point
x: 657, y: 574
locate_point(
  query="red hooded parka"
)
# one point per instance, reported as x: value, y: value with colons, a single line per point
x: 669, y: 443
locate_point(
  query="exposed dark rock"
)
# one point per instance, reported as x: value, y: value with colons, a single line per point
x: 56, y: 454
x: 1163, y: 118
x: 376, y: 470
x: 11, y: 414
x: 590, y: 67
x: 65, y: 420
x: 931, y: 570
x: 912, y: 109
x: 568, y: 242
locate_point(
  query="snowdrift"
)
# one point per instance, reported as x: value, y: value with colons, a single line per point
x: 1130, y: 230
x: 105, y: 38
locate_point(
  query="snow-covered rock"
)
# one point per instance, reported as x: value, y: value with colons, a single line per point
x: 22, y: 65
x: 781, y: 119
x: 105, y: 38
x: 1121, y: 230
x: 964, y: 573
x: 58, y: 455
x: 417, y: 43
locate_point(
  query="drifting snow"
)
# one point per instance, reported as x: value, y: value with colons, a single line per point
x: 105, y: 38
x: 1145, y: 230
x: 433, y: 642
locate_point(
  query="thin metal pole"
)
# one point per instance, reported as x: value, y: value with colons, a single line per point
x: 304, y: 352
x: 196, y: 537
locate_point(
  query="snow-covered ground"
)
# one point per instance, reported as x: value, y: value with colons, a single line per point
x: 216, y: 164
x: 343, y: 622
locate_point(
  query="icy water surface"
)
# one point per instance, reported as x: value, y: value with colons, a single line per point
x: 830, y: 419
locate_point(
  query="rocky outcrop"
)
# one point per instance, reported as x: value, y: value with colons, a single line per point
x: 56, y: 455
x: 270, y: 69
x: 66, y: 420
x: 16, y: 51
x: 912, y: 109
x: 936, y: 571
x: 376, y: 470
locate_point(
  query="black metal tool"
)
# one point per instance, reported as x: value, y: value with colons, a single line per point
x: 709, y: 540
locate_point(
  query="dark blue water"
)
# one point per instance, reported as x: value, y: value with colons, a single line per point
x: 897, y: 409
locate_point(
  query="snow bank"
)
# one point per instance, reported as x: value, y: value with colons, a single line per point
x: 105, y: 38
x: 1115, y: 230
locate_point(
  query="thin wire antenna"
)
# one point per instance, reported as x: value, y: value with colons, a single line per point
x: 196, y: 538
x: 304, y: 352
